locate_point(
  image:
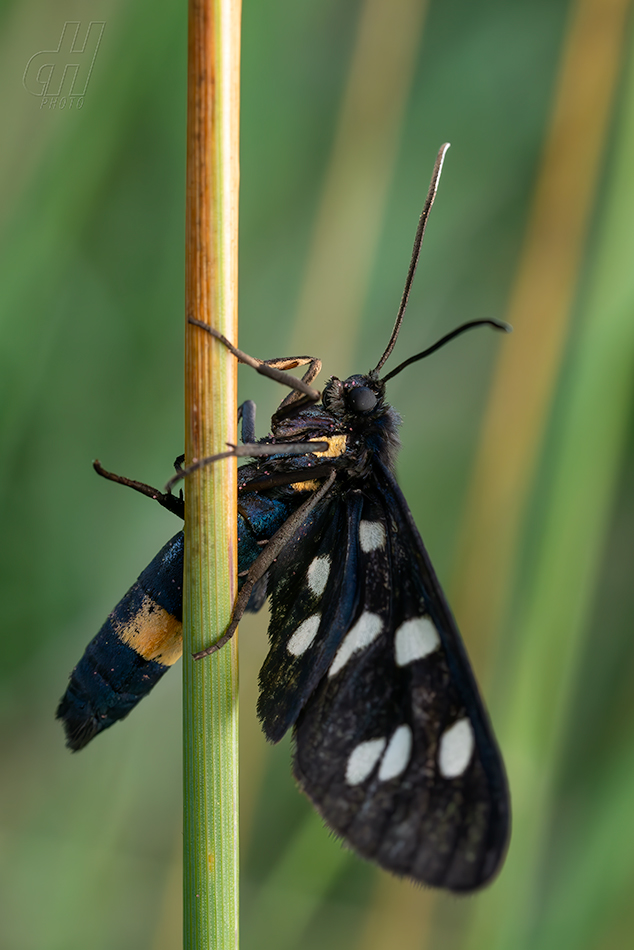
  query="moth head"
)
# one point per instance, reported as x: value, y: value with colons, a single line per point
x: 358, y: 396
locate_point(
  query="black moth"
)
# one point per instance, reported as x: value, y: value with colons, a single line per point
x: 392, y: 742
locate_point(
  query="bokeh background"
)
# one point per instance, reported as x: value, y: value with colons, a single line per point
x: 517, y: 460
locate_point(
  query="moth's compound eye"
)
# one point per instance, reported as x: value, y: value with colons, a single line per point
x: 361, y: 399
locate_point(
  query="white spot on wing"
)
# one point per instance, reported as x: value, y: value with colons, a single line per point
x: 366, y: 629
x: 397, y: 754
x: 362, y: 760
x: 371, y: 536
x: 318, y: 574
x: 414, y: 640
x: 304, y: 635
x: 456, y: 749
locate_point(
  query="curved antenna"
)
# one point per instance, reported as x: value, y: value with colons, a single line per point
x: 496, y: 324
x: 418, y: 240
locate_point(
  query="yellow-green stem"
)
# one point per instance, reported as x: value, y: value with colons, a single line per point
x: 210, y: 715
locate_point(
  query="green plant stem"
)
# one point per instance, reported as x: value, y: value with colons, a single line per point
x: 210, y: 715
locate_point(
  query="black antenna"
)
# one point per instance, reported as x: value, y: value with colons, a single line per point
x: 418, y: 240
x: 496, y: 324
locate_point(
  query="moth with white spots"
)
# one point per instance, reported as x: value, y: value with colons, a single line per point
x: 366, y: 665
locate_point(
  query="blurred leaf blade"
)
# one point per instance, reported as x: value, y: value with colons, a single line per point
x: 555, y: 599
x: 539, y: 310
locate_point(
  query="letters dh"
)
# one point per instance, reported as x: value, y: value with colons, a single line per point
x: 65, y: 71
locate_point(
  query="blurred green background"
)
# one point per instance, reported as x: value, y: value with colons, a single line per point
x: 517, y: 460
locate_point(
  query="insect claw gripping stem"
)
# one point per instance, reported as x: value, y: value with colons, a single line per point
x: 273, y: 368
x: 264, y: 560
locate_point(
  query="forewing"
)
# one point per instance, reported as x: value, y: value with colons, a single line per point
x: 314, y: 597
x: 394, y: 746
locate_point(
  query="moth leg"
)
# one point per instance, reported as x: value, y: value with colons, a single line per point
x: 165, y: 499
x: 271, y: 368
x: 292, y: 362
x: 264, y: 560
x: 250, y: 450
x: 295, y: 399
x: 246, y: 413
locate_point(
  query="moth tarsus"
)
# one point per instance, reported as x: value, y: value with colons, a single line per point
x: 392, y: 741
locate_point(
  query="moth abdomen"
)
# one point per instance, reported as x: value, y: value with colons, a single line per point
x: 137, y: 644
